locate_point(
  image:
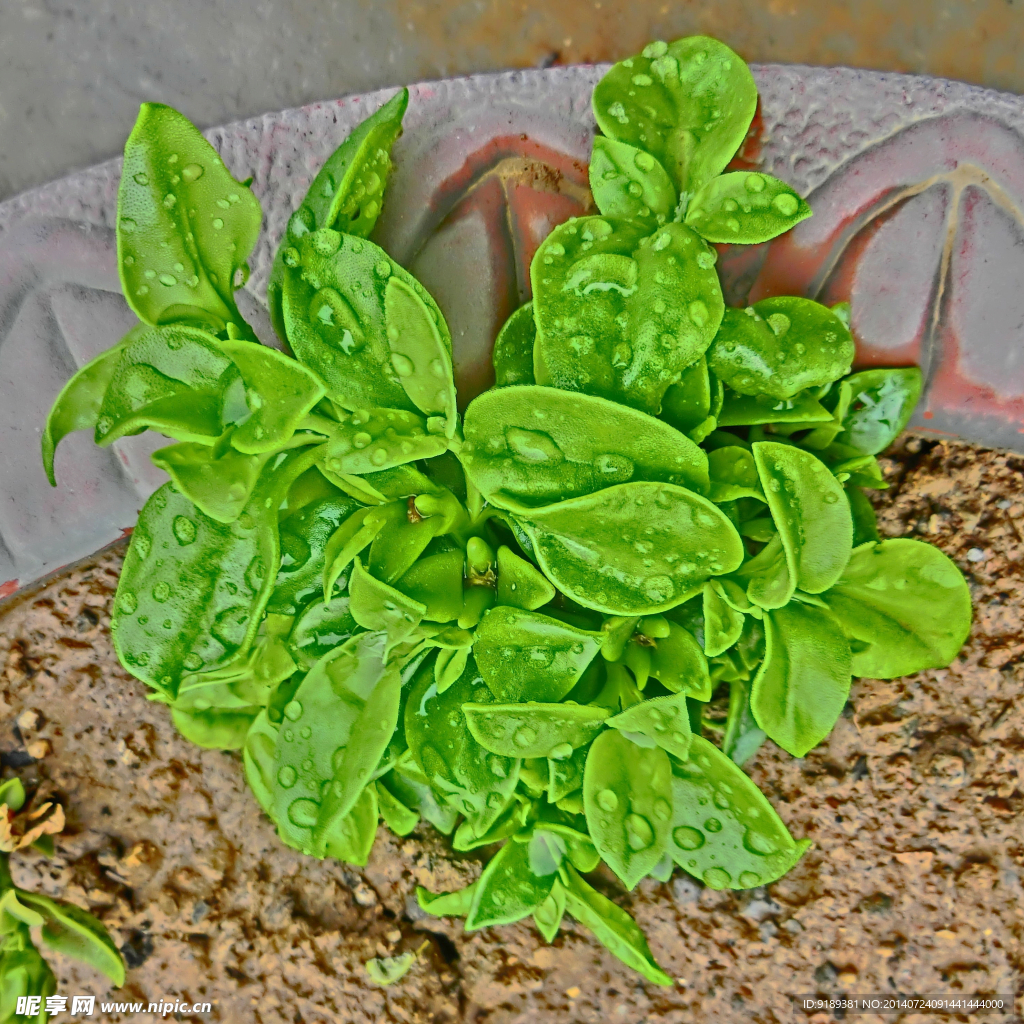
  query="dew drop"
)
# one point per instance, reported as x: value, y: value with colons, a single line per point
x: 662, y: 809
x: 561, y: 752
x: 498, y: 766
x: 303, y: 812
x: 717, y: 878
x: 749, y: 879
x: 712, y: 825
x: 293, y: 711
x: 525, y: 736
x: 193, y: 662
x: 607, y: 800
x: 757, y: 842
x: 379, y: 456
x: 184, y: 530
x: 698, y: 312
x: 658, y: 589
x: 218, y: 223
x: 161, y: 592
x: 168, y: 280
x: 128, y: 602
x: 382, y: 269
x: 639, y: 834
x: 287, y: 776
x: 403, y: 364
x: 786, y: 204
x: 688, y: 838
x: 754, y: 183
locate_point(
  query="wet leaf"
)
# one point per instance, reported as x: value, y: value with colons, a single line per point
x: 633, y: 549
x: 724, y: 830
x: 527, y: 447
x: 629, y: 182
x: 745, y: 207
x: 621, y: 313
x: 533, y: 729
x: 905, y: 604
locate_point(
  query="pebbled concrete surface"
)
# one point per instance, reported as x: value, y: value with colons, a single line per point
x: 915, y: 805
x: 72, y: 74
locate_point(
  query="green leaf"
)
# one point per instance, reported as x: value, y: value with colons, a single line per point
x: 209, y: 581
x: 865, y: 523
x: 279, y: 393
x: 410, y: 785
x: 688, y: 103
x: 447, y: 904
x: 524, y: 655
x: 399, y: 818
x: 508, y: 890
x: 527, y: 447
x: 215, y: 709
x: 305, y: 534
x: 173, y: 379
x: 350, y: 838
x: 420, y: 354
x: 350, y: 538
x: 12, y: 794
x: 599, y: 549
x: 373, y: 439
x: 770, y: 582
x: 319, y: 628
x: 565, y: 776
x: 375, y: 605
x: 722, y: 623
x: 436, y: 582
x: 23, y: 972
x: 627, y: 794
x: 520, y: 583
x: 906, y: 606
x: 612, y: 926
x: 77, y: 407
x: 881, y: 404
x: 809, y: 508
x: 548, y: 916
x: 621, y: 313
x: 678, y: 663
x: 184, y: 225
x: 386, y: 970
x: 335, y: 729
x: 686, y: 405
x: 628, y: 182
x: 533, y: 729
x: 473, y: 781
x: 513, y: 349
x: 724, y: 830
x: 219, y: 484
x: 70, y: 930
x: 579, y: 847
x: 334, y: 312
x: 804, y: 681
x: 733, y: 475
x: 747, y: 410
x: 753, y: 352
x: 347, y: 192
x: 745, y: 207
x: 665, y: 720
x: 258, y: 760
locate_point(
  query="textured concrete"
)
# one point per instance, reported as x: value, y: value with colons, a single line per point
x: 73, y: 72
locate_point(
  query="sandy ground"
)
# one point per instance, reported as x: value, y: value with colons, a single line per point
x: 914, y: 805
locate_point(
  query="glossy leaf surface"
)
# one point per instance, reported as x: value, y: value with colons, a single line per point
x: 513, y: 349
x: 532, y: 446
x: 633, y: 549
x: 906, y: 604
x: 619, y: 312
x: 811, y: 512
x: 689, y: 103
x: 525, y: 655
x: 882, y: 402
x: 627, y: 793
x: 724, y: 830
x: 184, y: 225
x: 629, y: 182
x: 754, y: 348
x: 533, y: 729
x: 744, y: 207
x: 804, y: 681
x: 664, y: 720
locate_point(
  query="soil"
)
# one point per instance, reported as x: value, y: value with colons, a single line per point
x: 914, y: 805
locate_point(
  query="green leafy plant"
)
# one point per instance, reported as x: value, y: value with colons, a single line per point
x: 510, y: 625
x: 64, y: 927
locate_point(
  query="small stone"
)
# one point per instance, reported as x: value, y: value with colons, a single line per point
x: 976, y: 555
x: 572, y: 992
x: 364, y: 895
x: 30, y: 720
x: 39, y: 749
